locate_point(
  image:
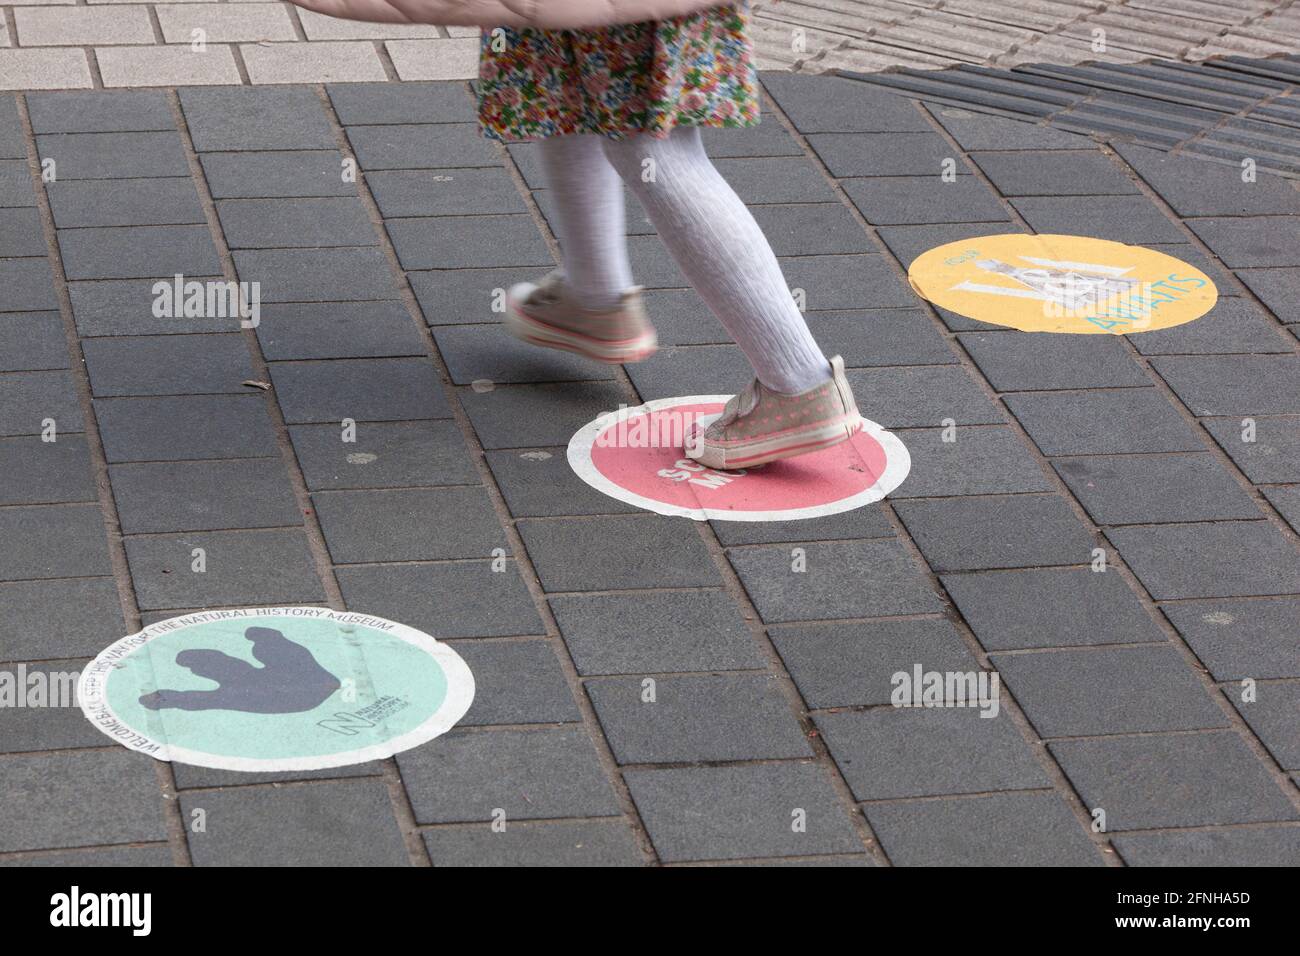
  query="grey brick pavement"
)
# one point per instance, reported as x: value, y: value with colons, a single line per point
x: 1123, y: 689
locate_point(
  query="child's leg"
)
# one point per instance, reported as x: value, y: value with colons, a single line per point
x: 723, y: 252
x: 589, y: 205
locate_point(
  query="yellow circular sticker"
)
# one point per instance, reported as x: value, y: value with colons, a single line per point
x: 1062, y: 284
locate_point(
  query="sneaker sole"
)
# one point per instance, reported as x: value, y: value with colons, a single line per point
x: 525, y: 327
x: 760, y: 451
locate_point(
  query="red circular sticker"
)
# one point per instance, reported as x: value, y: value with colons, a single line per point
x: 636, y: 455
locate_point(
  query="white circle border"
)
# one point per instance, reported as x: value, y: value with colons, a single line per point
x: 460, y: 694
x: 898, y: 462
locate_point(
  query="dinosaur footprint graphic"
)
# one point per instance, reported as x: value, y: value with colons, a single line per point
x: 289, y: 682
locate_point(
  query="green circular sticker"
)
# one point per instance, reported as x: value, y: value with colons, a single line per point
x: 263, y: 689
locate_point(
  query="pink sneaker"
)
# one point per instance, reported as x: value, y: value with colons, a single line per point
x: 545, y: 314
x: 760, y: 425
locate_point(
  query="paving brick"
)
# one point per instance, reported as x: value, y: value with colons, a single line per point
x: 318, y: 26
x: 114, y: 155
x: 776, y: 180
x: 28, y: 400
x: 866, y: 522
x: 847, y: 282
x: 366, y: 390
x: 44, y: 69
x: 384, y: 455
x: 1233, y: 559
x: 41, y: 472
x: 529, y: 416
x: 451, y: 242
x: 457, y: 296
x: 243, y: 568
x: 167, y: 364
x: 908, y: 242
x: 49, y: 620
x: 868, y: 337
x: 287, y: 174
x: 408, y: 524
x: 516, y: 682
x: 1234, y: 325
x: 318, y: 62
x: 156, y: 854
x: 654, y: 633
x: 815, y: 229
x: 444, y: 192
x: 892, y: 752
x: 1275, y: 718
x: 1251, y: 242
x: 125, y: 307
x: 454, y: 59
x: 100, y: 112
x: 129, y: 202
x: 767, y: 139
x: 586, y: 843
x: 1276, y: 288
x: 477, y: 352
x: 528, y: 774
x: 1050, y: 607
x: 1234, y: 384
x: 1109, y: 690
x: 285, y: 223
x: 138, y: 252
x: 1101, y: 423
x: 1117, y: 218
x: 824, y: 104
x: 426, y: 146
x: 1255, y: 846
x: 58, y: 723
x: 748, y: 718
x: 691, y: 370
x: 981, y: 131
x: 901, y: 200
x: 228, y: 23
x: 1041, y: 173
x: 203, y: 495
x: 1005, y: 829
x: 636, y: 223
x: 83, y: 26
x: 981, y: 460
x: 21, y: 233
x: 1194, y: 187
x: 32, y: 342
x: 1287, y: 503
x: 1273, y: 456
x: 446, y: 599
x: 189, y: 777
x: 79, y: 799
x: 28, y: 285
x: 335, y: 823
x: 1225, y: 282
x: 888, y: 154
x: 922, y: 396
x: 16, y: 184
x: 1017, y: 531
x: 1179, y: 780
x: 12, y: 144
x: 730, y: 813
x: 359, y: 104
x: 1027, y: 362
x: 1146, y: 489
x: 843, y: 580
x: 53, y: 541
x: 845, y: 665
x: 1240, y: 639
x: 616, y: 551
x: 338, y: 330
x: 185, y: 427
x: 317, y: 275
x: 542, y: 487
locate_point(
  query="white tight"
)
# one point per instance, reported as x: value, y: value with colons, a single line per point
x: 710, y: 233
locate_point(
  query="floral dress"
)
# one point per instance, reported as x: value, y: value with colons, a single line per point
x: 693, y: 70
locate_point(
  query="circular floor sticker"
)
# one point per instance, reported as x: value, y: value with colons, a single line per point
x: 289, y: 688
x: 636, y: 456
x: 1062, y: 284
